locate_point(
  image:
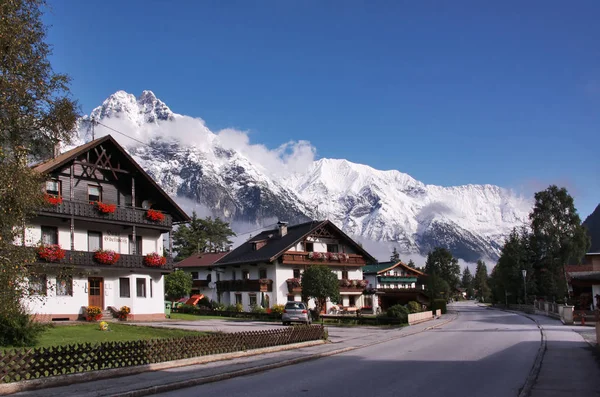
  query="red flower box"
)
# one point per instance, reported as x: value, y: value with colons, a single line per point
x: 107, y: 257
x: 155, y: 260
x: 54, y: 200
x: 106, y: 208
x: 155, y: 216
x: 51, y: 253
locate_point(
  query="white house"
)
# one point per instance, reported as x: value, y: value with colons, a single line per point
x: 200, y: 266
x: 267, y: 268
x: 101, y: 203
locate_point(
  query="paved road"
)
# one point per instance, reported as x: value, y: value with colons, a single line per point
x: 482, y: 353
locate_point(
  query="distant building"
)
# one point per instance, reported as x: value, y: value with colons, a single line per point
x: 201, y: 267
x: 267, y: 269
x: 395, y: 283
x: 584, y: 278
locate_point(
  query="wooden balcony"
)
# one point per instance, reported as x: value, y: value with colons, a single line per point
x: 200, y: 284
x: 294, y: 286
x: 122, y: 215
x: 303, y: 258
x: 259, y: 285
x: 86, y: 259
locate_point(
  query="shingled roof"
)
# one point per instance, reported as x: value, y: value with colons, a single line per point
x: 275, y: 246
x: 204, y: 259
x: 385, y: 266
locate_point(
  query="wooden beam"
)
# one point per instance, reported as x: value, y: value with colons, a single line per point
x: 85, y: 164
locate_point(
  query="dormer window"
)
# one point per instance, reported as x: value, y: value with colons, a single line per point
x: 53, y: 187
x: 258, y: 245
x: 94, y: 193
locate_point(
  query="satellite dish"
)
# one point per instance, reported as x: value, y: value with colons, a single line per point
x: 146, y: 204
x: 212, y: 285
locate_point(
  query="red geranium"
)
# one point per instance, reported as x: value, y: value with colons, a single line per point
x: 51, y: 253
x: 155, y: 260
x: 107, y: 257
x: 106, y: 208
x: 155, y: 216
x: 54, y: 200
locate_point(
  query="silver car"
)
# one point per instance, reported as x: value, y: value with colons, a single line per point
x: 295, y: 312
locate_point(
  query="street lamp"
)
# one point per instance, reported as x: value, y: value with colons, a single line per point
x: 525, y: 283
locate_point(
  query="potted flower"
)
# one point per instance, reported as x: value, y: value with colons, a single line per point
x: 105, y: 208
x: 155, y: 215
x: 363, y: 283
x: 53, y: 200
x: 343, y: 257
x: 51, y: 253
x: 155, y: 260
x: 123, y: 313
x: 345, y: 283
x: 93, y: 313
x: 106, y: 257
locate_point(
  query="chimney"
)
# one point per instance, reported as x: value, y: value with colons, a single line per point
x: 282, y: 228
x: 56, y: 150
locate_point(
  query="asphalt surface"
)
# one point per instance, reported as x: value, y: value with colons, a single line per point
x: 482, y: 353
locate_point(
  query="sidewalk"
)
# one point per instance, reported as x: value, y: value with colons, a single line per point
x: 152, y: 382
x: 571, y: 366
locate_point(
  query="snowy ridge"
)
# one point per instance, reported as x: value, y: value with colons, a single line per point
x: 193, y: 163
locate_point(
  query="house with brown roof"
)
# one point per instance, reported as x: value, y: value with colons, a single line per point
x: 584, y: 280
x: 200, y: 266
x: 100, y: 240
x: 267, y: 268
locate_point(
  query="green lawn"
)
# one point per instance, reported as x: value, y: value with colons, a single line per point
x: 80, y: 333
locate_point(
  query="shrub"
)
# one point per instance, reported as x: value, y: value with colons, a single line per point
x: 123, y: 313
x: 277, y: 309
x: 414, y: 307
x: 189, y: 309
x: 439, y: 304
x: 205, y: 303
x: 218, y: 306
x: 257, y: 309
x: 397, y: 311
x: 19, y: 330
x: 239, y: 308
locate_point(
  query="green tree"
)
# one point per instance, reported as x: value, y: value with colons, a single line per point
x: 467, y: 281
x: 201, y: 235
x: 480, y: 282
x: 395, y: 256
x: 36, y: 113
x: 441, y: 263
x: 437, y: 287
x: 506, y: 281
x: 411, y: 264
x: 557, y: 238
x: 320, y: 283
x: 178, y: 284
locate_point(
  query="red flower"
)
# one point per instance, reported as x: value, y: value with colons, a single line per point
x: 107, y: 257
x: 155, y: 260
x: 106, y: 208
x: 54, y: 200
x: 51, y: 253
x: 155, y: 216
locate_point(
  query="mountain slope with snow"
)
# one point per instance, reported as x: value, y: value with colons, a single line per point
x: 218, y: 171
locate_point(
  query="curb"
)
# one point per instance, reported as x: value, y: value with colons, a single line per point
x: 229, y: 375
x: 537, y: 363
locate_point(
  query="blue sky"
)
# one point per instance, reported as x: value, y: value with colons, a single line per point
x: 459, y: 92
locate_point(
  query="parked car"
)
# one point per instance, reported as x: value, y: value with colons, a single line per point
x: 295, y: 312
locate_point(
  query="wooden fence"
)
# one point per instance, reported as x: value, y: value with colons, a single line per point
x: 23, y: 364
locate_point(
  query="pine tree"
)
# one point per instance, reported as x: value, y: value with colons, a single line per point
x: 411, y: 264
x: 467, y: 281
x: 441, y: 263
x: 202, y: 235
x: 480, y: 282
x: 557, y: 238
x: 507, y: 276
x: 395, y: 256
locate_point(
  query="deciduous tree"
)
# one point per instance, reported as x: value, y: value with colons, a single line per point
x: 320, y: 283
x: 202, y: 235
x: 178, y: 284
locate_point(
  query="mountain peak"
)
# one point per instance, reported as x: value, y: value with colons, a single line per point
x: 146, y: 108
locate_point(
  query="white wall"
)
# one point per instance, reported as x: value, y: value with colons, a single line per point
x: 595, y: 291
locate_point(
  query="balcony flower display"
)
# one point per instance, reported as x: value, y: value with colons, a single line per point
x: 51, y: 253
x: 105, y: 208
x: 155, y: 216
x: 53, y: 200
x: 293, y: 282
x: 343, y: 257
x: 316, y: 255
x: 155, y: 260
x: 345, y: 283
x: 362, y: 283
x: 106, y: 257
x: 264, y: 281
x: 332, y: 256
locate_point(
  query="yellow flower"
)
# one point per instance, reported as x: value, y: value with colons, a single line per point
x: 103, y: 326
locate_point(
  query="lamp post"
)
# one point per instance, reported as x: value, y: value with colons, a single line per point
x: 525, y: 284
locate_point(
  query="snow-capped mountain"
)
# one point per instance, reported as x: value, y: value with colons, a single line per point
x: 191, y: 162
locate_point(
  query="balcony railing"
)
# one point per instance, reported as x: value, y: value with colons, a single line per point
x: 86, y: 259
x: 260, y: 285
x: 200, y: 284
x: 397, y: 279
x: 345, y: 285
x: 325, y: 258
x: 127, y: 215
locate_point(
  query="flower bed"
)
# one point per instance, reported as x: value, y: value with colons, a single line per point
x: 105, y: 208
x: 93, y: 313
x: 53, y: 200
x: 106, y: 257
x: 155, y: 216
x: 123, y: 313
x: 155, y: 260
x: 51, y: 253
